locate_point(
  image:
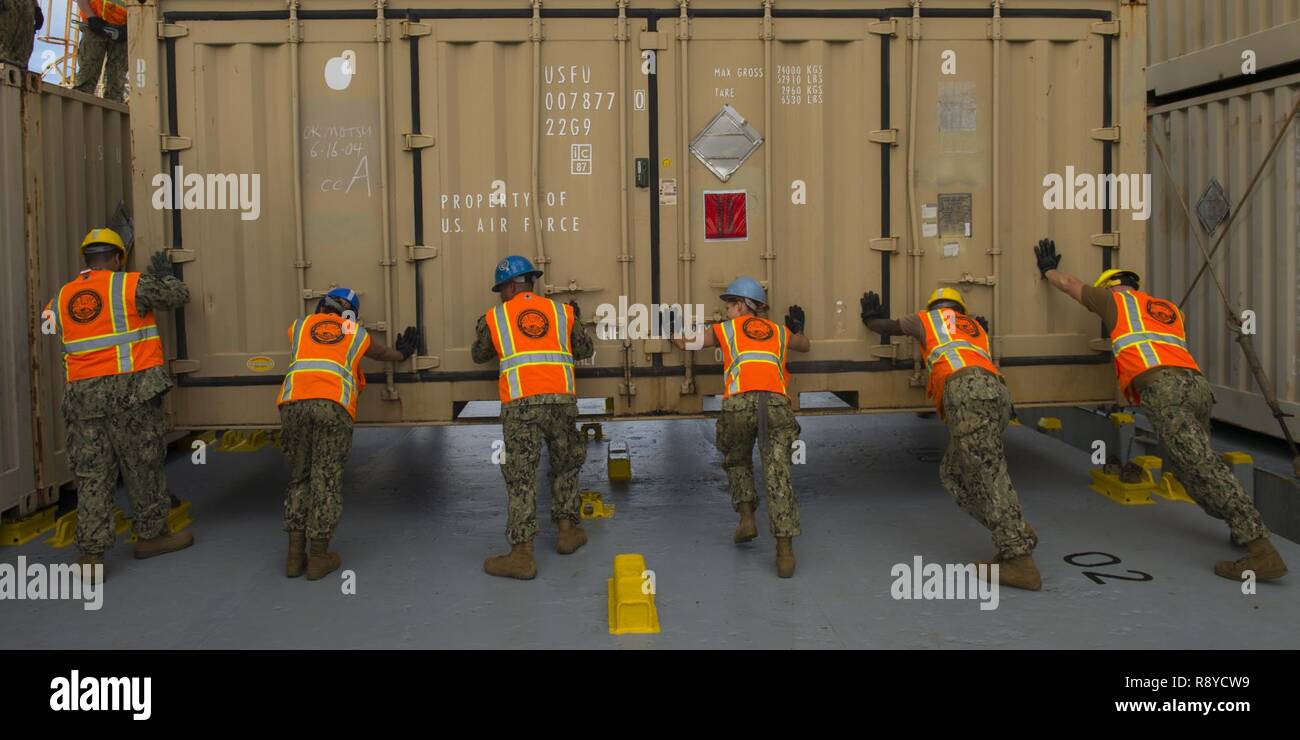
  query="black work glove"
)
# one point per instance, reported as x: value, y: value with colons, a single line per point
x: 160, y: 265
x: 795, y: 319
x: 1048, y: 259
x: 872, y: 308
x: 983, y: 322
x: 40, y: 15
x: 577, y: 312
x: 408, y: 342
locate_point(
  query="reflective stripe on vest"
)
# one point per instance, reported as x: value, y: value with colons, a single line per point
x: 739, y: 358
x: 513, y: 361
x: 1139, y: 336
x: 343, y: 372
x: 947, y: 347
x: 121, y: 338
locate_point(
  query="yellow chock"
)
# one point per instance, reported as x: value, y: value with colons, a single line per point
x: 22, y: 531
x: 619, y: 460
x: 1129, y: 494
x: 632, y: 597
x: 593, y: 431
x: 235, y: 440
x: 178, y: 518
x: 1170, y: 488
x: 1238, y: 458
x: 232, y: 440
x: 186, y: 443
x: 1049, y: 424
x: 65, y: 531
x: 1119, y: 419
x: 1015, y: 421
x: 122, y: 525
x: 593, y: 507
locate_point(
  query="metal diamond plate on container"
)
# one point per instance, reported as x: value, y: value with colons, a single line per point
x: 1213, y: 206
x: 725, y: 144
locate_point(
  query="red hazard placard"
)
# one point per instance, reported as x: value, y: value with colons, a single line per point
x: 724, y: 215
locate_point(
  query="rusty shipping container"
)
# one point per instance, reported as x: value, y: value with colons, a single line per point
x: 64, y: 167
x: 645, y: 152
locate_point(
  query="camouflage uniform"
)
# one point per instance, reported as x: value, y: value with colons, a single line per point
x: 17, y: 31
x: 527, y: 423
x: 96, y: 52
x: 118, y: 420
x: 316, y: 437
x: 1178, y: 404
x: 977, y: 408
x: 738, y: 428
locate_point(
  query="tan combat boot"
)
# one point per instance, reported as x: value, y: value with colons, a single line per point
x: 86, y: 566
x: 1018, y: 572
x: 572, y: 536
x: 163, y: 544
x: 518, y: 563
x: 784, y: 557
x: 1261, y: 557
x: 320, y: 562
x: 748, y: 527
x: 297, y: 560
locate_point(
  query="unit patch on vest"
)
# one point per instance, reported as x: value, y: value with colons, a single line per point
x: 533, y: 323
x: 967, y: 325
x: 757, y: 329
x: 85, y: 306
x: 1161, y: 311
x: 327, y: 332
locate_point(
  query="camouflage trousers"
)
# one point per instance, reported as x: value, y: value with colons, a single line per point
x: 316, y: 437
x: 526, y: 429
x: 96, y: 53
x: 738, y: 429
x: 1178, y: 405
x: 977, y: 409
x: 132, y: 440
x: 17, y: 32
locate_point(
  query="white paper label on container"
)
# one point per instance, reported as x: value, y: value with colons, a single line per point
x: 668, y: 192
x: 929, y: 228
x: 929, y: 210
x: 951, y: 249
x: 968, y: 228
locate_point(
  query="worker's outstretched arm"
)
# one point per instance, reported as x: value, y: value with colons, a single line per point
x: 159, y: 289
x: 873, y: 315
x: 407, y: 344
x: 705, y: 339
x: 483, y: 349
x: 1049, y: 265
x: 795, y: 322
x: 579, y: 339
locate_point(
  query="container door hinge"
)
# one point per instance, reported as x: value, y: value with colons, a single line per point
x: 416, y: 141
x: 885, y: 350
x: 426, y: 362
x: 1101, y: 344
x: 175, y: 143
x: 411, y: 29
x: 1106, y: 240
x: 179, y: 367
x: 178, y: 256
x: 885, y: 244
x: 1110, y: 133
x: 1106, y: 28
x: 416, y: 252
x: 884, y: 28
x: 884, y: 136
x: 171, y: 30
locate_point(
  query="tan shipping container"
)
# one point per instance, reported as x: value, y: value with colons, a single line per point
x: 379, y: 146
x: 1220, y: 140
x: 1200, y: 42
x: 64, y: 168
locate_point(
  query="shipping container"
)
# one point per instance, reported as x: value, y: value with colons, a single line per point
x: 645, y: 153
x: 1199, y: 42
x: 1214, y: 145
x: 64, y: 168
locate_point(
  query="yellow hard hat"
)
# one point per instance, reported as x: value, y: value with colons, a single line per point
x: 946, y: 294
x: 1112, y: 277
x: 103, y: 237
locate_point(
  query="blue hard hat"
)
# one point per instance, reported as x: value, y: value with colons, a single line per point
x: 745, y: 287
x: 348, y: 295
x: 512, y: 267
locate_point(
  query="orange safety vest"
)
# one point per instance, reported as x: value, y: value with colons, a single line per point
x: 101, y: 326
x: 326, y: 361
x: 753, y: 355
x: 112, y: 11
x: 952, y: 341
x: 531, y: 336
x: 1148, y: 333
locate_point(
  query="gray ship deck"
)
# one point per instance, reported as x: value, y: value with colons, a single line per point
x: 423, y: 507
